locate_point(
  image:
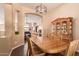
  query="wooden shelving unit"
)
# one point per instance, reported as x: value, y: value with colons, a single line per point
x: 62, y: 28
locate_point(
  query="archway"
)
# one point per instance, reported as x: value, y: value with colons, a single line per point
x: 33, y: 24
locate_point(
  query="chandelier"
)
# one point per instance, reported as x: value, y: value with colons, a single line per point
x: 41, y: 9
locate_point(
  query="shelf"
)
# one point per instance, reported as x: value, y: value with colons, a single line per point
x: 62, y: 27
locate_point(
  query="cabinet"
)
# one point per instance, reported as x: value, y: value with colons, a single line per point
x: 62, y: 28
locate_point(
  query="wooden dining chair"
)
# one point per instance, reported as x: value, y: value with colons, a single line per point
x: 72, y: 48
x: 34, y: 50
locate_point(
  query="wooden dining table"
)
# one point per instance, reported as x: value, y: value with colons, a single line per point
x: 50, y: 45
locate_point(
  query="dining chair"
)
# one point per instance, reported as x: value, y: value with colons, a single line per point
x: 34, y: 50
x: 72, y: 48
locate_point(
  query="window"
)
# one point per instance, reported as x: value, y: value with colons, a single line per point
x: 31, y: 21
x: 2, y: 21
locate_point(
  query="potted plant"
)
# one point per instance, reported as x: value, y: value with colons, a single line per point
x: 17, y: 32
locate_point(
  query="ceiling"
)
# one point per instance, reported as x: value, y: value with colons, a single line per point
x: 50, y: 6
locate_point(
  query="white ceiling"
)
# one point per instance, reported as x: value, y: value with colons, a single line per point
x: 50, y: 6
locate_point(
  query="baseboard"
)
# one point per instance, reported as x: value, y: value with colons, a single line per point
x: 4, y: 54
x: 77, y: 51
x: 15, y: 48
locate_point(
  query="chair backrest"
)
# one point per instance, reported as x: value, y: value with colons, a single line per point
x: 34, y: 49
x: 30, y: 47
x: 72, y: 48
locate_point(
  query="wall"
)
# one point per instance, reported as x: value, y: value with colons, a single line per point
x: 3, y: 42
x: 19, y: 39
x: 11, y: 41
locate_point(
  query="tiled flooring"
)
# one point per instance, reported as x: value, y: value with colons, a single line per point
x: 18, y: 51
x: 22, y: 51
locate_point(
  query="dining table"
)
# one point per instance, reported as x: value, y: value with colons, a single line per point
x: 48, y: 45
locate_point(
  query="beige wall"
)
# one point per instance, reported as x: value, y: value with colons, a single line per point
x: 12, y: 40
x: 19, y: 39
x: 4, y: 42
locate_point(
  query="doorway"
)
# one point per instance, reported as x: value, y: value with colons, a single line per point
x: 33, y: 25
